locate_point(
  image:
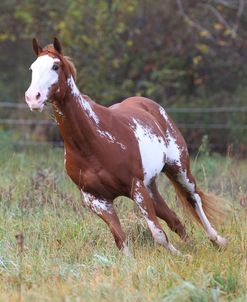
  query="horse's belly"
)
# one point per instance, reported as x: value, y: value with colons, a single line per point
x: 152, y: 149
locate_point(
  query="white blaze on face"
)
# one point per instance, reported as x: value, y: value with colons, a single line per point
x: 152, y: 149
x: 43, y: 77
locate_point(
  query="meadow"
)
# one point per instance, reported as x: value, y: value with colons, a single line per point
x: 53, y: 249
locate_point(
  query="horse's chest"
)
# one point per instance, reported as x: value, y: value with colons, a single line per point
x: 76, y: 166
x: 152, y: 150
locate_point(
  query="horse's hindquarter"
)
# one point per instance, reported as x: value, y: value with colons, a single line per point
x: 176, y: 148
x: 149, y: 129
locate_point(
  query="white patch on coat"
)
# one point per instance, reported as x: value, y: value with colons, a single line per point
x: 185, y: 182
x: 87, y: 107
x: 173, y: 151
x: 82, y: 101
x: 166, y: 117
x: 97, y: 205
x: 110, y: 138
x: 164, y: 114
x: 138, y: 198
x: 157, y: 233
x: 152, y: 150
x: 160, y: 238
x: 107, y: 135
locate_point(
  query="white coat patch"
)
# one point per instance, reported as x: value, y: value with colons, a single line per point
x: 160, y: 238
x: 86, y: 107
x: 164, y: 114
x: 95, y: 204
x: 84, y: 103
x: 152, y: 149
x: 110, y: 138
x: 173, y: 151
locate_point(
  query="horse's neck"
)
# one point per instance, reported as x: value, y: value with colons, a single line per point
x: 76, y: 117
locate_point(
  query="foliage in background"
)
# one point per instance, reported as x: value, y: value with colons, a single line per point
x: 180, y: 53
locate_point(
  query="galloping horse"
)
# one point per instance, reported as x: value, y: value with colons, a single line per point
x: 119, y: 151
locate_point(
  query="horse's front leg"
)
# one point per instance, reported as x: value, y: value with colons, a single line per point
x: 105, y: 210
x: 140, y: 195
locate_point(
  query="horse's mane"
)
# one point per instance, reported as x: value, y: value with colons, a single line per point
x: 71, y: 66
x: 65, y: 59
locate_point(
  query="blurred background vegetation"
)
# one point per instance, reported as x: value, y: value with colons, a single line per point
x: 180, y: 53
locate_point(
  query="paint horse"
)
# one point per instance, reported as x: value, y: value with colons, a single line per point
x: 119, y: 151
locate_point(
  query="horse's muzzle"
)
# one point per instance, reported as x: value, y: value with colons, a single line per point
x: 34, y: 101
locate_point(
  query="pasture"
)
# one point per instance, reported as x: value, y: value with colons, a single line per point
x: 68, y: 254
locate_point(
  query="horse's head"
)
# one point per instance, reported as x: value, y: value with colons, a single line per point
x: 49, y: 71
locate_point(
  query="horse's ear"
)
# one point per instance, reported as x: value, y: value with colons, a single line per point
x: 57, y: 45
x: 36, y: 47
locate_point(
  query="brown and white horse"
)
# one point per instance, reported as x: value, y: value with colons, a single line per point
x: 119, y: 151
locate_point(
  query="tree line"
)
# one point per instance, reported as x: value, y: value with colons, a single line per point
x: 181, y: 53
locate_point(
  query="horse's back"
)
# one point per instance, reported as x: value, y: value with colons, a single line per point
x: 143, y: 109
x: 147, y: 124
x: 136, y: 103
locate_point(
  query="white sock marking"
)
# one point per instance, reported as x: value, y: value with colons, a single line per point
x: 160, y: 237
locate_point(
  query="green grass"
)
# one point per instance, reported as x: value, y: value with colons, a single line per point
x: 69, y: 254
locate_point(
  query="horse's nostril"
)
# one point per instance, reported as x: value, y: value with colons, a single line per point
x: 37, y: 96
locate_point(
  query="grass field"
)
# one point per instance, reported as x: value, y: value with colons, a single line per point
x: 68, y: 254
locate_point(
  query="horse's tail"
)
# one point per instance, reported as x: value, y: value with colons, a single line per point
x: 213, y: 206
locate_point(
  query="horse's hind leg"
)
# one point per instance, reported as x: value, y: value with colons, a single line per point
x: 140, y: 195
x: 193, y: 198
x: 163, y: 212
x: 105, y: 210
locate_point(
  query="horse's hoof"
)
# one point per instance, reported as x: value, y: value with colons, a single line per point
x: 173, y: 250
x: 220, y: 241
x: 126, y: 251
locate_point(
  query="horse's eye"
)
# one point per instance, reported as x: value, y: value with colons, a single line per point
x: 55, y: 67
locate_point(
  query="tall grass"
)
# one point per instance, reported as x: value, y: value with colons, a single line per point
x: 68, y: 254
